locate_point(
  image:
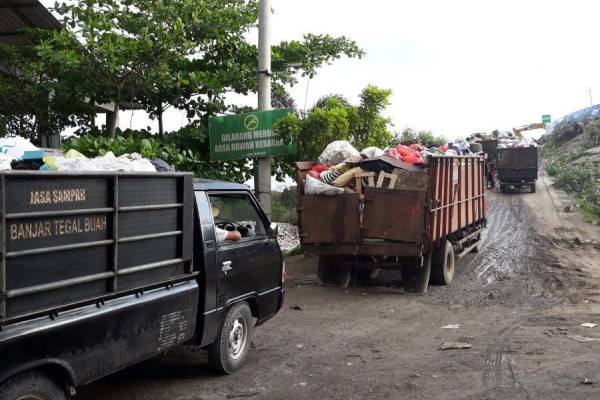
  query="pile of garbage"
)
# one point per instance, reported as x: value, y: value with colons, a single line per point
x: 343, y: 169
x: 512, y: 142
x: 17, y: 153
x: 506, y: 140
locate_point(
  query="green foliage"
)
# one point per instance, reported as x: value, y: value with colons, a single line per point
x: 591, y: 134
x: 296, y: 251
x: 334, y: 118
x: 187, y: 54
x: 284, y: 206
x: 565, y: 131
x: 581, y: 179
x: 33, y: 101
x: 426, y: 138
x: 309, y: 54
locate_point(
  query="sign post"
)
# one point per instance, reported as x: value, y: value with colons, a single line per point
x: 262, y: 174
x: 247, y: 135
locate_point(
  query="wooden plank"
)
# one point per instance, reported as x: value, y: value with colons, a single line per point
x: 444, y: 198
x: 460, y: 192
x: 473, y: 201
x: 439, y: 198
x: 449, y: 194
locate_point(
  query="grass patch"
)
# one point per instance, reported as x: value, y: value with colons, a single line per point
x: 294, y: 252
x: 589, y: 212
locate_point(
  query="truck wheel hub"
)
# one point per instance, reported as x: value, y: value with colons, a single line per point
x: 237, y: 338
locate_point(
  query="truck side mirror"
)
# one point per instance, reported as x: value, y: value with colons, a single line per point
x: 273, y: 230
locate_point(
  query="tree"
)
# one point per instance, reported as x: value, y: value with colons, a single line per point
x: 131, y: 49
x: 33, y: 101
x: 333, y: 118
x: 426, y: 138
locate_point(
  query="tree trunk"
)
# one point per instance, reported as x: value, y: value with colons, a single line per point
x: 92, y: 104
x: 161, y: 129
x: 113, y: 121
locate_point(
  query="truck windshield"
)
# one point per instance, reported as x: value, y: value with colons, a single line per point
x: 235, y: 211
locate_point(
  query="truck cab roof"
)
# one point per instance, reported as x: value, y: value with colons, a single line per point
x: 209, y: 184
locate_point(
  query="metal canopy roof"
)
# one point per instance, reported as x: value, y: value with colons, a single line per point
x: 16, y: 15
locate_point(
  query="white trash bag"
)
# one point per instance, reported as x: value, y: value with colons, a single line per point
x: 315, y: 186
x: 336, y: 152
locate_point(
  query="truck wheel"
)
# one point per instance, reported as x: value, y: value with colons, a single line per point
x: 228, y: 353
x: 416, y: 276
x: 334, y: 272
x: 442, y: 265
x: 31, y: 385
x: 533, y: 188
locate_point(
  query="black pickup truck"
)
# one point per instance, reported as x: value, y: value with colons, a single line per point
x: 99, y: 271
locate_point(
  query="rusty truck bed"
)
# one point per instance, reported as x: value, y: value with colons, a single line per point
x: 424, y: 207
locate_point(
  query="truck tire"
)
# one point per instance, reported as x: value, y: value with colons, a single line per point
x: 32, y: 385
x: 416, y: 276
x: 442, y: 265
x: 333, y: 271
x: 229, y: 352
x: 533, y: 188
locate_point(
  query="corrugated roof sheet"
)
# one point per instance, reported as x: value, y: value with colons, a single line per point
x: 16, y: 15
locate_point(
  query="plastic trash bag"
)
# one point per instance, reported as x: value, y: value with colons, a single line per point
x: 371, y: 152
x: 336, y: 152
x: 15, y: 147
x: 315, y: 186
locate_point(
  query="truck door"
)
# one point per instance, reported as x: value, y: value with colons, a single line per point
x: 251, y: 266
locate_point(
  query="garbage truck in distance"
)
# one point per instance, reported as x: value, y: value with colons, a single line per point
x: 422, y: 221
x: 99, y: 271
x: 517, y: 167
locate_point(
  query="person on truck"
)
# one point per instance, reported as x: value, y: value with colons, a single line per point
x: 223, y: 234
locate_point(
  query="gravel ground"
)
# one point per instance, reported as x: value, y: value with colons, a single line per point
x: 519, y: 304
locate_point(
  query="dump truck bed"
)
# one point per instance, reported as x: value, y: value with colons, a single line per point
x: 422, y: 209
x: 73, y: 238
x: 517, y: 165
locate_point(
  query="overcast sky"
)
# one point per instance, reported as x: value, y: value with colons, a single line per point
x: 455, y: 67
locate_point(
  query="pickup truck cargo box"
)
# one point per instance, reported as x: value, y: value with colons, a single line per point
x: 445, y: 202
x: 99, y: 271
x: 517, y: 167
x: 74, y: 238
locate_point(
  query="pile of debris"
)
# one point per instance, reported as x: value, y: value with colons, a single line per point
x: 17, y: 153
x: 288, y: 237
x: 505, y: 140
x: 343, y: 169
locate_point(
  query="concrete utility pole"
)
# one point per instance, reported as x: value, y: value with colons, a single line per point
x: 262, y: 179
x: 591, y: 101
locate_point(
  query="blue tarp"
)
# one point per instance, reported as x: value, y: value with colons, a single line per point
x: 585, y: 115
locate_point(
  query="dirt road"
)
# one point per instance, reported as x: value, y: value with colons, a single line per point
x: 519, y: 303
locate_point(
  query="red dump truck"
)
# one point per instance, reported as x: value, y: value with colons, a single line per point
x: 431, y: 218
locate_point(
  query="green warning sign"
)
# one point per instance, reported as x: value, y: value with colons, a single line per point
x: 247, y: 135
